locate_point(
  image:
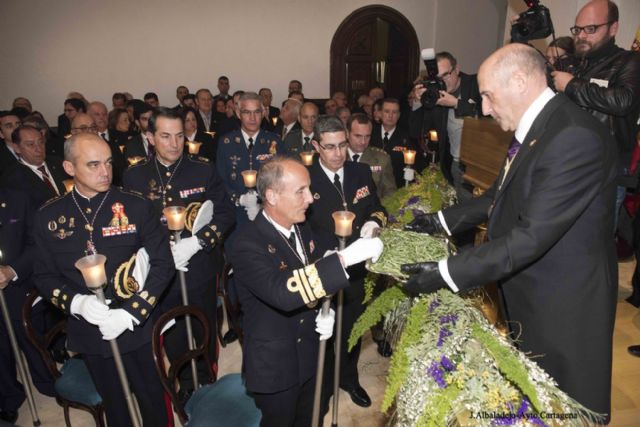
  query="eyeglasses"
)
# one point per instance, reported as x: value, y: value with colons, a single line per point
x: 251, y: 112
x: 334, y: 147
x: 447, y: 74
x: 588, y: 29
x: 92, y: 128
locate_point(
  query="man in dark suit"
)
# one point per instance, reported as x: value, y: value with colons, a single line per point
x: 9, y: 121
x: 395, y: 140
x: 460, y: 100
x: 298, y: 140
x: 204, y: 102
x: 39, y: 177
x: 96, y: 217
x: 549, y: 225
x: 281, y: 275
x: 245, y: 149
x: 288, y: 119
x: 223, y: 88
x: 139, y: 145
x: 16, y: 266
x: 340, y: 185
x: 173, y: 178
x: 267, y: 98
x: 98, y: 112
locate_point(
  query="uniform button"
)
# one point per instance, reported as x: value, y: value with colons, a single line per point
x: 168, y: 187
x: 301, y: 320
x: 299, y: 339
x: 168, y: 173
x: 169, y: 199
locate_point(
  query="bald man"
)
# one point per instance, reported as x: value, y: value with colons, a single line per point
x: 549, y: 222
x: 96, y: 217
x: 298, y: 140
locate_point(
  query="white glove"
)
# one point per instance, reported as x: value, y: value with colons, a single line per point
x: 118, y: 321
x: 90, y: 308
x: 141, y: 269
x: 250, y: 203
x: 409, y: 174
x: 324, y: 324
x: 361, y: 250
x: 204, y: 217
x: 183, y: 251
x: 368, y: 228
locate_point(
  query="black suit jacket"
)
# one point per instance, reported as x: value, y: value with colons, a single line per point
x: 399, y: 141
x: 423, y: 120
x: 17, y: 245
x: 278, y: 295
x: 550, y: 230
x: 212, y: 123
x: 134, y: 147
x: 208, y: 147
x: 7, y: 159
x: 294, y: 143
x: 21, y: 177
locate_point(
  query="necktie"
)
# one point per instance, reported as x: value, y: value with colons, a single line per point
x: 306, y: 142
x: 284, y: 131
x: 250, y: 144
x: 47, y: 179
x: 513, y: 148
x: 337, y: 183
x: 385, y: 140
x: 292, y: 240
x: 355, y: 157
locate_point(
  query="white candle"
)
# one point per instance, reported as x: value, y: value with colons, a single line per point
x: 433, y: 135
x: 175, y: 217
x: 92, y: 269
x: 343, y: 222
x: 249, y: 178
x: 409, y: 157
x: 194, y: 147
x: 307, y: 157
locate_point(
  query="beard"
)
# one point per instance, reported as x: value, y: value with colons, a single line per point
x: 584, y: 47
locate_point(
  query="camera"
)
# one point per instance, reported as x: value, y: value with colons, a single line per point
x: 432, y: 83
x: 534, y: 23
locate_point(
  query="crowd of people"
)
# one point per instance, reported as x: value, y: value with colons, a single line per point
x: 98, y: 184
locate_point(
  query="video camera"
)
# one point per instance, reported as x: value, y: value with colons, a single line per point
x: 534, y: 23
x: 432, y: 82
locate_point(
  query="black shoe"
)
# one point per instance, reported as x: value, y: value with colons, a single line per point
x: 384, y: 348
x: 9, y: 416
x: 359, y: 396
x: 634, y: 350
x: 230, y: 336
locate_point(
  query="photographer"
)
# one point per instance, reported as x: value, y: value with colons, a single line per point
x: 461, y: 99
x: 607, y: 81
x: 560, y: 50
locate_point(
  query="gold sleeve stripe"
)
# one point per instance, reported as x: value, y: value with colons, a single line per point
x: 294, y: 285
x: 311, y: 273
x: 380, y: 217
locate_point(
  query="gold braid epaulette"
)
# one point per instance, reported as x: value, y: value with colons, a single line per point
x: 380, y: 216
x: 306, y: 281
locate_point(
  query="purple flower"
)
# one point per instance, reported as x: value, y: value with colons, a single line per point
x: 435, y: 303
x: 444, y: 333
x: 392, y: 218
x: 449, y: 318
x: 447, y: 364
x: 436, y: 373
x: 413, y: 200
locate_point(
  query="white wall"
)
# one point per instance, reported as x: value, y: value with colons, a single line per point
x: 99, y: 47
x: 563, y: 14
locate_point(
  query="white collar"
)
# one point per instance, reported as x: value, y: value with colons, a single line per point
x: 281, y: 229
x: 532, y: 112
x: 389, y: 132
x: 351, y: 153
x: 246, y: 137
x: 330, y: 174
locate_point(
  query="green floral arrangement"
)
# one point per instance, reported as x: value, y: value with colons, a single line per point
x: 451, y: 367
x: 429, y: 193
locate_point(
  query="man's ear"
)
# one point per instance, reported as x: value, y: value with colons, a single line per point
x: 270, y: 197
x: 69, y: 168
x: 150, y: 138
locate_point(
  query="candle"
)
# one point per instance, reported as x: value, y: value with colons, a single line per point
x: 274, y: 120
x: 92, y: 269
x: 135, y: 160
x: 68, y: 184
x: 194, y: 147
x: 433, y: 135
x: 210, y: 133
x: 409, y: 157
x: 249, y: 178
x: 343, y: 221
x: 307, y: 157
x: 121, y: 148
x: 175, y: 217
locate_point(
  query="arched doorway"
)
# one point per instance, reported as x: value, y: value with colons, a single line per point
x: 374, y: 46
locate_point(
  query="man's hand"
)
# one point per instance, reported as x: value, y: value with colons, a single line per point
x: 90, y: 308
x: 183, y: 251
x: 250, y: 203
x: 427, y: 223
x: 561, y: 80
x: 425, y: 280
x: 118, y: 321
x: 6, y: 275
x: 324, y: 324
x: 369, y: 228
x: 447, y: 100
x: 362, y: 250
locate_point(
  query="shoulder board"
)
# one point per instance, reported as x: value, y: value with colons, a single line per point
x: 198, y: 159
x: 140, y: 163
x: 52, y: 201
x: 377, y: 150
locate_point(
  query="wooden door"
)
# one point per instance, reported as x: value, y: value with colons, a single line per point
x: 374, y: 46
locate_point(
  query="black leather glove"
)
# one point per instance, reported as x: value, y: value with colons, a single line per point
x: 425, y: 280
x: 427, y: 223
